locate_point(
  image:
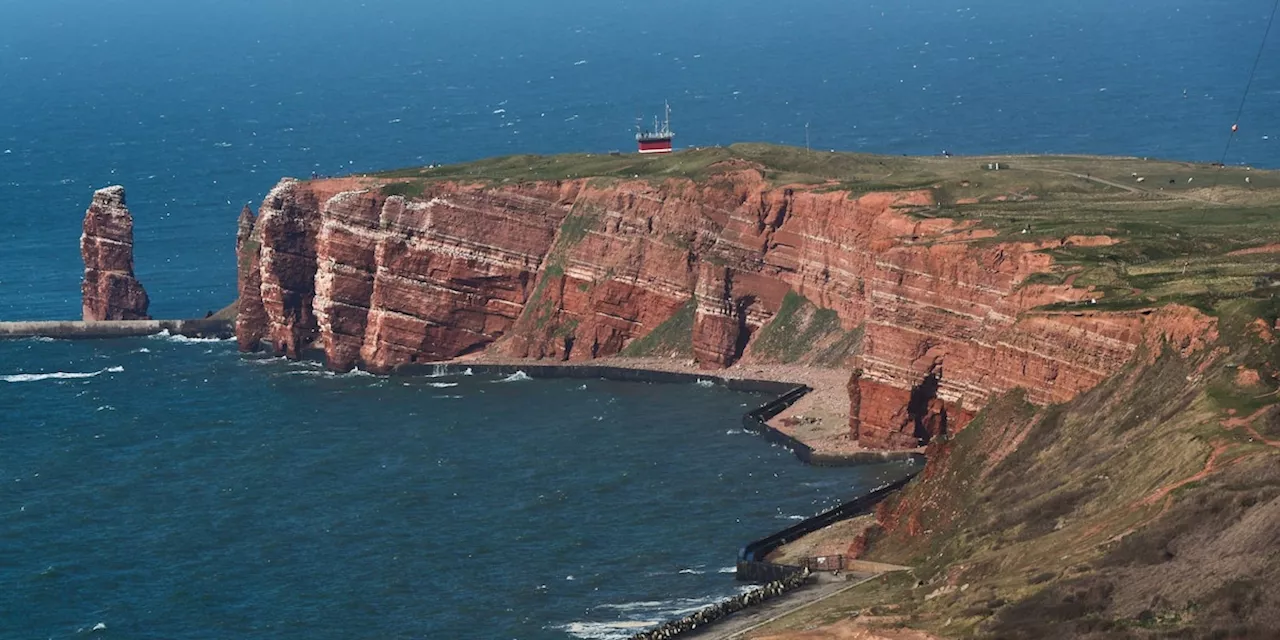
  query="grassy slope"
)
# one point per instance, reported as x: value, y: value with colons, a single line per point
x: 802, y: 332
x: 1098, y: 522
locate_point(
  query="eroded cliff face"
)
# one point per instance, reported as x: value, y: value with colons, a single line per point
x: 109, y: 290
x: 581, y: 269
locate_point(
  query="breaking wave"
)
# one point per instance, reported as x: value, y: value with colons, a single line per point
x: 518, y: 376
x: 442, y: 385
x: 705, y: 383
x: 57, y: 375
x: 634, y: 617
x: 606, y: 630
x: 181, y: 339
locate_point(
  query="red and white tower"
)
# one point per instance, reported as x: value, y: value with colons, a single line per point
x: 658, y: 139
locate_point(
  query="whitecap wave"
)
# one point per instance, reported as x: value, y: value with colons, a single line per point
x: 727, y: 570
x: 629, y: 618
x: 518, y: 376
x: 691, y: 572
x: 442, y: 385
x: 705, y: 383
x: 273, y: 360
x: 663, y: 609
x: 618, y: 630
x: 57, y: 375
x: 181, y: 339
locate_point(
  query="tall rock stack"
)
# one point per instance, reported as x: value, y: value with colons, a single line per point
x: 110, y: 290
x: 251, y: 318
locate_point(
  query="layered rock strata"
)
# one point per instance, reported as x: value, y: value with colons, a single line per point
x: 110, y: 291
x: 581, y: 269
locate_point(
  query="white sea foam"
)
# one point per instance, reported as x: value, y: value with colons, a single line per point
x: 442, y: 385
x: 57, y: 375
x: 618, y: 630
x: 518, y: 376
x: 727, y: 570
x: 705, y: 383
x: 181, y: 339
x: 41, y: 339
x: 663, y: 609
x: 691, y: 572
x: 265, y: 360
x: 142, y: 350
x: 734, y: 432
x: 630, y: 618
x: 447, y: 397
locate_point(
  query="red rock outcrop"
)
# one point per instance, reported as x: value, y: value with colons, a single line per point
x: 580, y: 269
x: 251, y: 317
x: 287, y: 226
x: 110, y: 291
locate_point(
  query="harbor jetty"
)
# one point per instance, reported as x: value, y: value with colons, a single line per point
x: 78, y: 330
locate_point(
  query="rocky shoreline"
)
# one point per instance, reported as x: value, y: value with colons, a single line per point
x: 721, y: 610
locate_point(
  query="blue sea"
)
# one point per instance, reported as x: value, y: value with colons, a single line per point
x: 168, y: 488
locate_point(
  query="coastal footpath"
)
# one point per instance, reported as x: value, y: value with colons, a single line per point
x: 1083, y: 346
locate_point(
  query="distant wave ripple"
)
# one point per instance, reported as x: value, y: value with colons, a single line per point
x: 57, y: 375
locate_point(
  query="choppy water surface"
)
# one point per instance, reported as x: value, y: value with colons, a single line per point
x: 200, y: 106
x: 168, y: 488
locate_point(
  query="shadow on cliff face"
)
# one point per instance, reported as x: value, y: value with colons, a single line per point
x: 928, y: 417
x: 741, y: 307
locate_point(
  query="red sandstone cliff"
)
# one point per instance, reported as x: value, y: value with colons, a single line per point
x: 579, y: 269
x: 109, y: 290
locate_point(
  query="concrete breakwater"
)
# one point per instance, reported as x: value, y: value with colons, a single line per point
x: 753, y: 563
x: 725, y: 608
x: 77, y: 330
